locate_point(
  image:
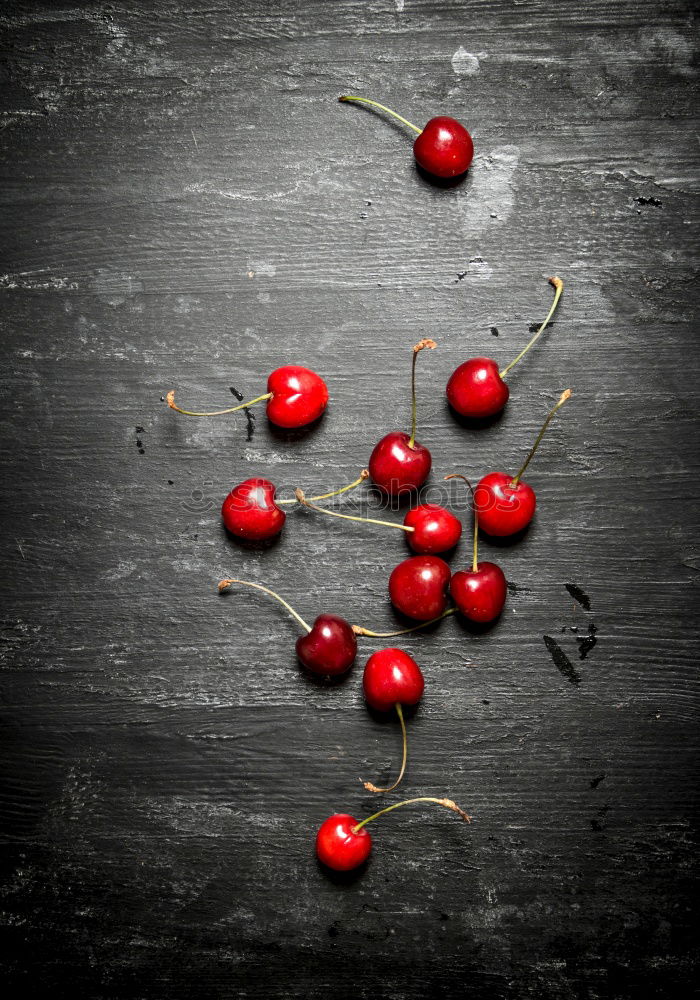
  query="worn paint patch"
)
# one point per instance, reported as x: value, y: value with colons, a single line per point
x: 36, y: 281
x: 261, y: 267
x: 114, y: 289
x: 490, y: 197
x: 464, y: 63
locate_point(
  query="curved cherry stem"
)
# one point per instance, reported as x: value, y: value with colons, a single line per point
x: 558, y: 285
x: 358, y: 630
x: 447, y: 803
x: 170, y: 400
x: 375, y: 104
x: 475, y: 563
x: 368, y: 784
x: 299, y: 494
x: 416, y: 350
x: 324, y: 496
x: 562, y: 399
x: 225, y: 584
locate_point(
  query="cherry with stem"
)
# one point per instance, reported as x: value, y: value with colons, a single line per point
x: 477, y: 388
x: 391, y: 680
x: 295, y: 397
x: 343, y: 843
x: 252, y: 513
x: 329, y: 646
x: 505, y: 504
x: 443, y: 148
x: 429, y: 528
x: 479, y: 593
x: 399, y: 464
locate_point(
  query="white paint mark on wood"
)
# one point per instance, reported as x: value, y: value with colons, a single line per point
x: 464, y: 63
x: 35, y: 281
x: 115, y: 289
x: 261, y: 267
x: 490, y: 197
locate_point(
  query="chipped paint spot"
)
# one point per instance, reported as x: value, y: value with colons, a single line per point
x: 464, y: 63
x: 490, y: 197
x: 36, y: 281
x: 114, y: 289
x: 480, y: 269
x: 261, y: 267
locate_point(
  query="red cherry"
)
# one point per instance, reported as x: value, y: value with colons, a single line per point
x: 429, y: 528
x: 396, y: 466
x: 504, y: 504
x: 250, y: 511
x: 444, y: 147
x: 476, y: 388
x: 479, y: 594
x: 392, y: 678
x: 398, y: 463
x: 339, y: 846
x: 418, y: 587
x: 435, y: 529
x: 329, y: 648
x: 503, y: 509
x: 299, y: 396
x: 295, y: 397
x: 342, y: 842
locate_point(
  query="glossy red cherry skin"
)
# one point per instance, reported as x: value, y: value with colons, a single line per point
x: 250, y: 511
x: 418, y: 587
x: 299, y: 396
x: 392, y: 676
x: 481, y: 595
x: 395, y: 467
x: 444, y: 147
x: 503, y: 509
x: 329, y: 648
x: 476, y: 389
x: 435, y: 529
x: 338, y: 847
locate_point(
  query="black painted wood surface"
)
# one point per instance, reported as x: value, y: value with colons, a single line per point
x: 186, y: 205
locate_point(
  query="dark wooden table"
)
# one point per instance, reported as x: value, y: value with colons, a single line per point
x: 185, y: 204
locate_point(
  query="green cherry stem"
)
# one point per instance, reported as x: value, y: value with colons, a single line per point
x: 558, y: 286
x: 368, y: 784
x: 324, y: 496
x: 170, y: 400
x: 447, y: 803
x: 562, y: 399
x: 300, y: 498
x: 357, y: 629
x: 416, y: 350
x: 475, y: 562
x: 375, y: 104
x: 225, y: 584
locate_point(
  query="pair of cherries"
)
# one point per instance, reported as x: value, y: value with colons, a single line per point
x: 392, y: 680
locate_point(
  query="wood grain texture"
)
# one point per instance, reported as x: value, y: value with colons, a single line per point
x: 185, y: 204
